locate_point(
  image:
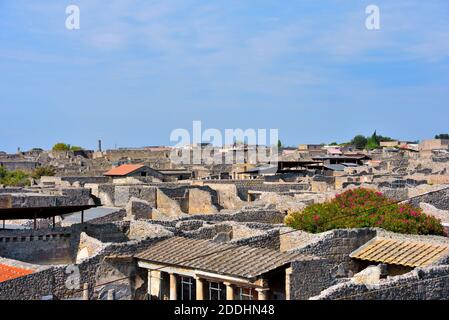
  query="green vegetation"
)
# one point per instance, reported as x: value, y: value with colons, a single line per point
x: 359, y: 142
x: 20, y: 178
x: 13, y: 178
x: 361, y: 208
x: 369, y: 143
x: 61, y: 146
x: 43, y: 171
x: 442, y: 136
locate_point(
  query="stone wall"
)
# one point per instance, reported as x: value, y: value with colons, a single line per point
x: 335, y: 246
x: 49, y: 247
x: 71, y: 180
x: 431, y: 283
x: 53, y: 280
x: 438, y: 199
x: 308, y: 278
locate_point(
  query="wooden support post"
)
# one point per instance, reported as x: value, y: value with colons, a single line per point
x: 82, y: 216
x: 54, y: 222
x: 4, y: 224
x: 35, y: 221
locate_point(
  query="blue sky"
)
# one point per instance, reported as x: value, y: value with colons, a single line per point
x: 138, y: 69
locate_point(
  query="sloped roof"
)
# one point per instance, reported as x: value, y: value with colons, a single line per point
x: 226, y: 259
x: 123, y: 170
x: 9, y: 272
x: 401, y: 252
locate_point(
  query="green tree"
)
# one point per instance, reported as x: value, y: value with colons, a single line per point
x: 359, y: 141
x: 75, y: 148
x: 373, y: 142
x: 61, y: 146
x: 279, y: 144
x: 442, y: 136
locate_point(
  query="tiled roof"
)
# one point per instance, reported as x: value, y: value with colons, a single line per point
x: 9, y: 272
x: 226, y: 259
x: 123, y: 170
x: 401, y: 252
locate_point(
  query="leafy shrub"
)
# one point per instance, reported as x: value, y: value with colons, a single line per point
x: 13, y: 178
x: 43, y: 171
x: 60, y: 146
x: 76, y: 148
x: 361, y: 208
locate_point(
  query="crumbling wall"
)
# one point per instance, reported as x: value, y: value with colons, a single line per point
x: 198, y: 201
x: 431, y: 283
x: 336, y: 245
x: 438, y: 199
x: 54, y: 280
x: 88, y: 247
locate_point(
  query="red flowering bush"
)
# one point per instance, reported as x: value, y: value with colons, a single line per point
x: 361, y: 208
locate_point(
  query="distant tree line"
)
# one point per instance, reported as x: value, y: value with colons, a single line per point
x: 361, y: 142
x: 444, y: 136
x: 61, y: 146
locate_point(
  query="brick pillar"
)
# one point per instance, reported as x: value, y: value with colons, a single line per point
x: 229, y: 290
x: 173, y: 291
x: 200, y: 283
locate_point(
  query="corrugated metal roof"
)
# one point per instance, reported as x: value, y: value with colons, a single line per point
x: 401, y: 252
x: 9, y: 272
x: 226, y: 259
x: 123, y: 170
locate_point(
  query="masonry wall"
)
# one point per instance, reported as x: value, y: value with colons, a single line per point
x: 430, y: 283
x: 439, y: 199
x: 53, y: 280
x: 308, y: 278
x: 336, y: 245
x: 42, y: 248
x: 243, y: 186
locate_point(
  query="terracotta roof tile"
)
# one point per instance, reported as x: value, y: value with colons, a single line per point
x: 123, y: 170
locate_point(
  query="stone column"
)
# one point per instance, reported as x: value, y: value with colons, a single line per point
x: 154, y: 284
x: 199, y: 288
x: 86, y: 291
x: 111, y: 294
x: 173, y: 291
x: 262, y: 293
x: 288, y: 276
x: 229, y: 290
